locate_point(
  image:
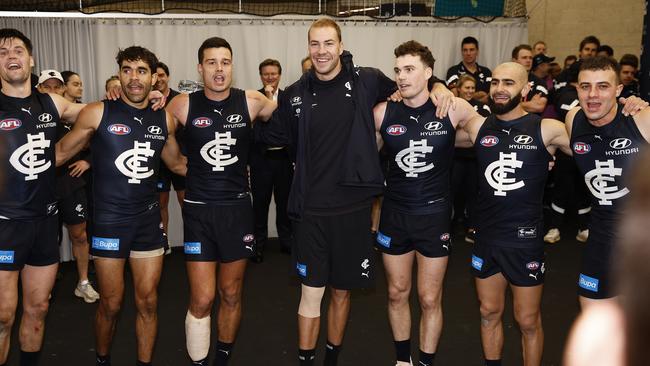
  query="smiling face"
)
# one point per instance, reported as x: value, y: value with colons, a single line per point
x: 597, y: 93
x: 467, y: 89
x: 136, y: 79
x: 162, y: 80
x: 509, y: 84
x: 216, y: 69
x: 52, y: 85
x: 325, y: 47
x: 15, y: 61
x: 270, y: 75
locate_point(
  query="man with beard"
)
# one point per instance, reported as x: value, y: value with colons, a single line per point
x: 217, y: 213
x: 605, y: 142
x: 132, y: 139
x: 513, y: 149
x: 28, y: 207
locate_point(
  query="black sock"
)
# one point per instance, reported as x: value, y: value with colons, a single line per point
x: 224, y: 350
x: 29, y: 358
x: 331, y: 354
x: 403, y: 350
x: 492, y: 362
x: 306, y: 357
x: 203, y: 362
x: 140, y: 363
x: 426, y: 359
x: 103, y: 360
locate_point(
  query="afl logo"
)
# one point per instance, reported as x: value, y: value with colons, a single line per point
x: 433, y: 126
x: 396, y: 130
x: 10, y: 124
x: 202, y: 122
x: 154, y: 130
x: 532, y: 266
x: 444, y: 237
x: 489, y: 141
x: 581, y: 148
x: 620, y: 143
x: 248, y: 238
x: 45, y: 117
x: 234, y: 118
x: 119, y: 129
x: 523, y: 139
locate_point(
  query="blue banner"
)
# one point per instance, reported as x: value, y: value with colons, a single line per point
x: 456, y: 8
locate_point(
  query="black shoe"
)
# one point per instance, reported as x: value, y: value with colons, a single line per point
x: 258, y: 257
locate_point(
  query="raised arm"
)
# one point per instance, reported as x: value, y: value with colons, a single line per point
x: 379, y: 112
x: 86, y: 124
x: 555, y: 136
x: 259, y: 106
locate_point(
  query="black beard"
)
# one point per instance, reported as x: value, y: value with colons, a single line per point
x: 503, y: 108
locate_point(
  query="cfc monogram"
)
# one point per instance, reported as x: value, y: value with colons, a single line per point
x: 133, y: 162
x: 26, y: 160
x: 598, y: 180
x: 496, y: 174
x: 407, y: 159
x: 215, y: 151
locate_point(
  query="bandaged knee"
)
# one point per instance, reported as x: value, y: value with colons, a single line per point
x: 310, y: 301
x: 197, y: 336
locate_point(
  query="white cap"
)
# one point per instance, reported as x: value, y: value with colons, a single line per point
x: 49, y: 74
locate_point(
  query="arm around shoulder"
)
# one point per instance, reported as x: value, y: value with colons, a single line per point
x: 86, y: 124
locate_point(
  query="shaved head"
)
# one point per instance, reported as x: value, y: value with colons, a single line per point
x: 511, y: 70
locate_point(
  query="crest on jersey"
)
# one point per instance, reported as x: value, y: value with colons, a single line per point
x: 497, y: 172
x: 407, y: 159
x: 216, y: 152
x: 26, y: 159
x: 601, y: 182
x: 133, y: 162
x: 396, y: 130
x: 10, y: 124
x: 119, y: 129
x: 489, y: 141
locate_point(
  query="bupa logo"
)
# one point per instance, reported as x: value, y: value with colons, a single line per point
x: 192, y: 247
x: 10, y: 124
x: 477, y: 263
x: 202, y: 122
x: 248, y: 238
x: 302, y: 269
x: 396, y: 130
x: 532, y: 266
x: 433, y: 126
x: 383, y: 240
x: 45, y: 117
x: 523, y: 139
x: 444, y: 237
x: 6, y: 256
x: 234, y: 118
x: 581, y: 148
x: 119, y: 129
x: 489, y: 141
x: 106, y: 244
x: 588, y: 283
x: 620, y: 143
x: 154, y: 130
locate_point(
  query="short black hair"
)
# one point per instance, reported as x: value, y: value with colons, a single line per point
x: 589, y: 39
x: 629, y: 59
x: 135, y: 53
x: 66, y: 75
x: 7, y: 33
x: 607, y: 49
x: 213, y: 42
x: 415, y: 48
x: 515, y: 51
x: 162, y: 66
x: 601, y: 63
x: 270, y: 62
x: 469, y: 40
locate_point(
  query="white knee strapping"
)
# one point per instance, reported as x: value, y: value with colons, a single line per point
x: 197, y: 336
x: 310, y: 301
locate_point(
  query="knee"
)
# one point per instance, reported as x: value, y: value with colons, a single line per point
x: 230, y: 296
x: 490, y: 312
x: 109, y: 307
x: 6, y: 320
x: 528, y: 322
x: 36, y: 310
x: 147, y: 303
x: 340, y: 296
x: 201, y: 305
x: 398, y: 294
x: 430, y: 302
x: 79, y: 238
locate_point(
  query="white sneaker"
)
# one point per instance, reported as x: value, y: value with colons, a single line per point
x: 86, y: 291
x: 583, y: 235
x: 552, y: 236
x: 402, y: 363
